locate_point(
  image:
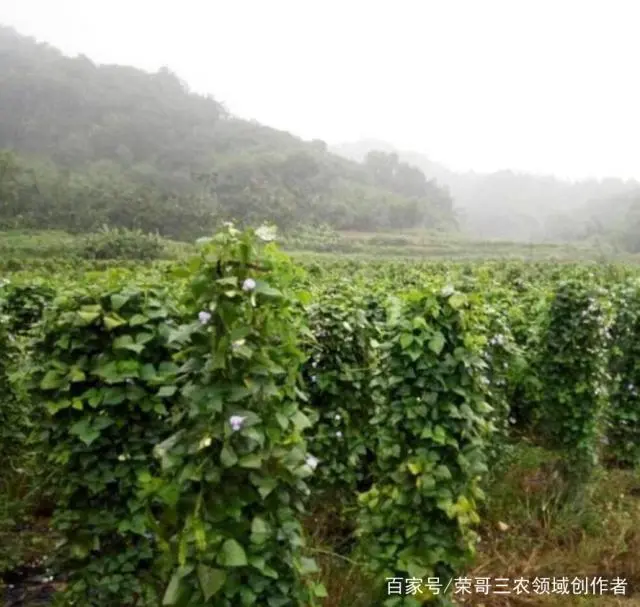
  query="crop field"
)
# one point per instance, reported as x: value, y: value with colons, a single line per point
x: 234, y: 426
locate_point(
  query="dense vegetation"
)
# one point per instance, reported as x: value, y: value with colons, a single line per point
x: 182, y: 419
x: 223, y: 424
x: 87, y: 145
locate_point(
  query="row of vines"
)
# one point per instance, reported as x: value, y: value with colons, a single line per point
x: 189, y: 417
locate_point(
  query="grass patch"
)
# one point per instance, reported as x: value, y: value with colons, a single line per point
x: 530, y: 529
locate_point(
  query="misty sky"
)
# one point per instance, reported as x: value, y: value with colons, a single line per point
x: 538, y: 85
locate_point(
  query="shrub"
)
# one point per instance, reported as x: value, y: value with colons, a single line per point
x: 624, y: 414
x: 233, y: 486
x: 103, y: 378
x: 431, y: 441
x: 122, y: 244
x: 574, y: 365
x: 344, y: 361
x: 24, y: 303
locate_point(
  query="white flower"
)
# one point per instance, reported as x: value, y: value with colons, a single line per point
x: 266, y: 233
x: 512, y: 420
x: 205, y: 442
x: 123, y: 457
x: 312, y: 462
x: 236, y: 422
x: 339, y: 434
x: 249, y: 284
x: 204, y: 317
x: 238, y: 343
x: 227, y: 224
x: 337, y: 416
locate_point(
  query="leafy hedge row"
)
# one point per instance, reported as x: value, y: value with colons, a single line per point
x: 575, y: 359
x: 233, y: 484
x: 624, y: 413
x: 176, y: 433
x: 103, y: 367
x: 430, y: 439
x: 344, y: 361
x: 193, y: 414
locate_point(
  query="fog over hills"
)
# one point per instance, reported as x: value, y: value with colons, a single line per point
x: 515, y: 205
x: 88, y: 144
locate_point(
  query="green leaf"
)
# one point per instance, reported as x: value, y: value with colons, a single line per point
x: 182, y: 334
x: 320, y: 591
x: 167, y: 391
x: 84, y: 431
x: 143, y: 338
x: 406, y: 339
x: 414, y: 468
x: 211, y: 580
x: 259, y: 525
x: 457, y: 300
x: 261, y: 565
x: 227, y: 457
x: 250, y: 461
x: 436, y: 343
x: 300, y: 420
x: 234, y: 554
x: 117, y: 301
x: 173, y: 589
x: 125, y: 342
x: 228, y: 281
x: 54, y: 407
x: 265, y: 486
x: 138, y: 319
x: 51, y: 381
x: 308, y: 565
x: 147, y: 372
x: 113, y: 321
x: 88, y: 314
x: 264, y: 289
x: 76, y: 375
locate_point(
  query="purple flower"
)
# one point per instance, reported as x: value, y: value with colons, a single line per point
x: 236, y: 422
x: 249, y: 284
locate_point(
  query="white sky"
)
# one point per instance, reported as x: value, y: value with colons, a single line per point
x: 547, y: 86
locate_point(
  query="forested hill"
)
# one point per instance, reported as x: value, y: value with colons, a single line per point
x: 85, y: 145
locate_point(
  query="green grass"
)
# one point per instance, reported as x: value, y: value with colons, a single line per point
x: 529, y: 529
x: 418, y: 244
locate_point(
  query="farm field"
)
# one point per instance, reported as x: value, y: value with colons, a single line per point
x: 227, y: 424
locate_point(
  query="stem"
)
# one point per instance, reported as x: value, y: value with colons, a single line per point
x: 338, y: 556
